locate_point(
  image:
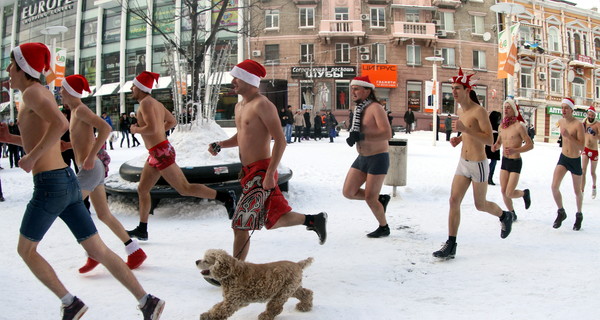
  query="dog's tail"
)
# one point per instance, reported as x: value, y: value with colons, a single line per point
x: 306, y: 262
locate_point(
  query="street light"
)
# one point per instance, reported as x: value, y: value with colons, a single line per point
x: 508, y: 9
x: 53, y: 31
x: 435, y: 60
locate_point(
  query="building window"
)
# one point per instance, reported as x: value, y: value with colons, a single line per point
x: 526, y: 77
x: 447, y: 99
x: 578, y: 89
x: 413, y: 55
x: 136, y: 27
x: 556, y: 81
x: 341, y: 14
x: 272, y: 19
x: 271, y: 54
x: 481, y: 92
x: 161, y: 63
x: 88, y: 33
x: 342, y: 52
x: 112, y: 28
x: 379, y: 53
x: 307, y: 17
x: 577, y: 43
x: 5, y: 59
x: 136, y: 63
x: 307, y: 96
x: 412, y: 15
x: 448, y: 55
x: 554, y: 40
x: 477, y: 25
x: 525, y: 34
x: 597, y: 48
x: 164, y: 17
x: 479, y: 60
x: 342, y: 95
x: 414, y: 95
x: 8, y: 22
x: 597, y: 88
x: 378, y: 17
x: 447, y: 21
x: 87, y: 68
x: 110, y: 67
x: 307, y: 53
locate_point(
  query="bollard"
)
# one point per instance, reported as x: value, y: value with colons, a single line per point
x: 396, y: 175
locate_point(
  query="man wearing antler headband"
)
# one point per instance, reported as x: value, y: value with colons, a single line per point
x: 472, y: 167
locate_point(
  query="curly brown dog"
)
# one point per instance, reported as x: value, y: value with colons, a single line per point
x: 244, y: 283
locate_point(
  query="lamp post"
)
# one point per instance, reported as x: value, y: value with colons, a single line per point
x: 53, y: 31
x: 508, y: 9
x: 435, y: 60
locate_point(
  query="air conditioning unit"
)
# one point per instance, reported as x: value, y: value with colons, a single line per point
x: 542, y: 76
x: 365, y: 57
x: 436, y: 22
x: 364, y: 17
x: 579, y: 71
x: 363, y: 50
x: 442, y: 34
x: 256, y: 53
x: 437, y: 53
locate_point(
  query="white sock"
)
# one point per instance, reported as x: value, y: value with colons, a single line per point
x: 67, y: 299
x: 132, y: 247
x: 143, y: 300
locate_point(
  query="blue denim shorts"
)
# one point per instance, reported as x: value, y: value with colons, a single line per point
x: 56, y: 194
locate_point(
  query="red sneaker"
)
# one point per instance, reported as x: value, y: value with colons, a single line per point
x: 89, y: 265
x: 136, y: 259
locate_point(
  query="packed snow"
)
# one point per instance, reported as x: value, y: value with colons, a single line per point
x: 536, y: 273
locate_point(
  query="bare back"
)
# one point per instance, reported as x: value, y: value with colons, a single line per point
x: 82, y: 133
x: 38, y: 114
x: 513, y: 137
x: 376, y: 128
x: 574, y: 128
x: 151, y: 118
x: 476, y: 119
x: 256, y: 122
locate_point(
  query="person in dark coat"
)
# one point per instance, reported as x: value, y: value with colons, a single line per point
x: 331, y: 123
x: 448, y: 125
x: 13, y: 149
x: 318, y: 124
x: 124, y: 127
x: 133, y: 121
x: 494, y: 156
x: 307, y: 124
x: 409, y: 119
x: 437, y: 130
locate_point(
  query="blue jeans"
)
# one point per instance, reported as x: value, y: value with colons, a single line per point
x: 56, y: 194
x: 288, y: 133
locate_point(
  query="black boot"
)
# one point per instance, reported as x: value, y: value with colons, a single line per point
x: 138, y: 233
x: 380, y: 232
x: 578, y: 220
x: 527, y: 198
x: 506, y: 222
x: 319, y: 225
x: 560, y: 217
x: 448, y: 251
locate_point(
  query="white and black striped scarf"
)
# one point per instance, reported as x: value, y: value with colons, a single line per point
x: 356, y: 120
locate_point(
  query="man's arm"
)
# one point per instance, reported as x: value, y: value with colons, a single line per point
x: 269, y: 118
x: 485, y: 135
x: 229, y: 143
x: 170, y: 121
x: 496, y: 146
x: 525, y: 137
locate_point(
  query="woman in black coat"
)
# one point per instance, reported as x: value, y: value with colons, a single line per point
x: 124, y: 127
x: 495, y: 118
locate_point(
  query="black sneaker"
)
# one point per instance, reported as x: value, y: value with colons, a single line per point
x: 74, y: 311
x: 137, y: 233
x: 514, y: 215
x: 380, y: 232
x: 319, y: 225
x: 527, y: 198
x: 578, y: 220
x: 231, y: 203
x: 384, y: 199
x: 506, y: 224
x: 560, y: 217
x: 153, y: 308
x: 447, y: 251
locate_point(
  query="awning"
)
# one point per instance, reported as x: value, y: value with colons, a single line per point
x: 126, y: 87
x: 408, y: 6
x: 85, y: 94
x: 4, y: 105
x: 107, y: 89
x: 579, y: 63
x: 163, y: 82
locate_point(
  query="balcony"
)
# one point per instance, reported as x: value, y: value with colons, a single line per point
x: 342, y: 29
x: 402, y: 30
x: 579, y: 101
x: 530, y: 94
x: 446, y: 3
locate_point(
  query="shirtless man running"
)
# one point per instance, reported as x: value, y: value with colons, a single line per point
x: 472, y: 167
x: 590, y: 151
x: 512, y: 134
x: 570, y: 160
x: 370, y: 131
x: 91, y: 176
x: 57, y: 193
x: 261, y: 203
x: 153, y: 121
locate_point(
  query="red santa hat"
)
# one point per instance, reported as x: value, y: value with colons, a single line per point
x: 363, y: 82
x: 592, y: 109
x: 463, y: 79
x: 145, y: 81
x: 75, y: 85
x: 569, y: 102
x: 515, y: 108
x: 249, y: 71
x: 33, y: 58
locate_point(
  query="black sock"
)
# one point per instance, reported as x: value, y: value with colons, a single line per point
x: 127, y: 242
x: 222, y: 196
x: 503, y: 216
x: 384, y: 227
x: 143, y: 226
x: 309, y: 220
x: 451, y: 239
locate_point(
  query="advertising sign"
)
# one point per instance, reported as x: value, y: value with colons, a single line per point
x: 382, y: 75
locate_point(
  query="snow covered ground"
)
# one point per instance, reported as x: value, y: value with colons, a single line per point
x: 536, y: 273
